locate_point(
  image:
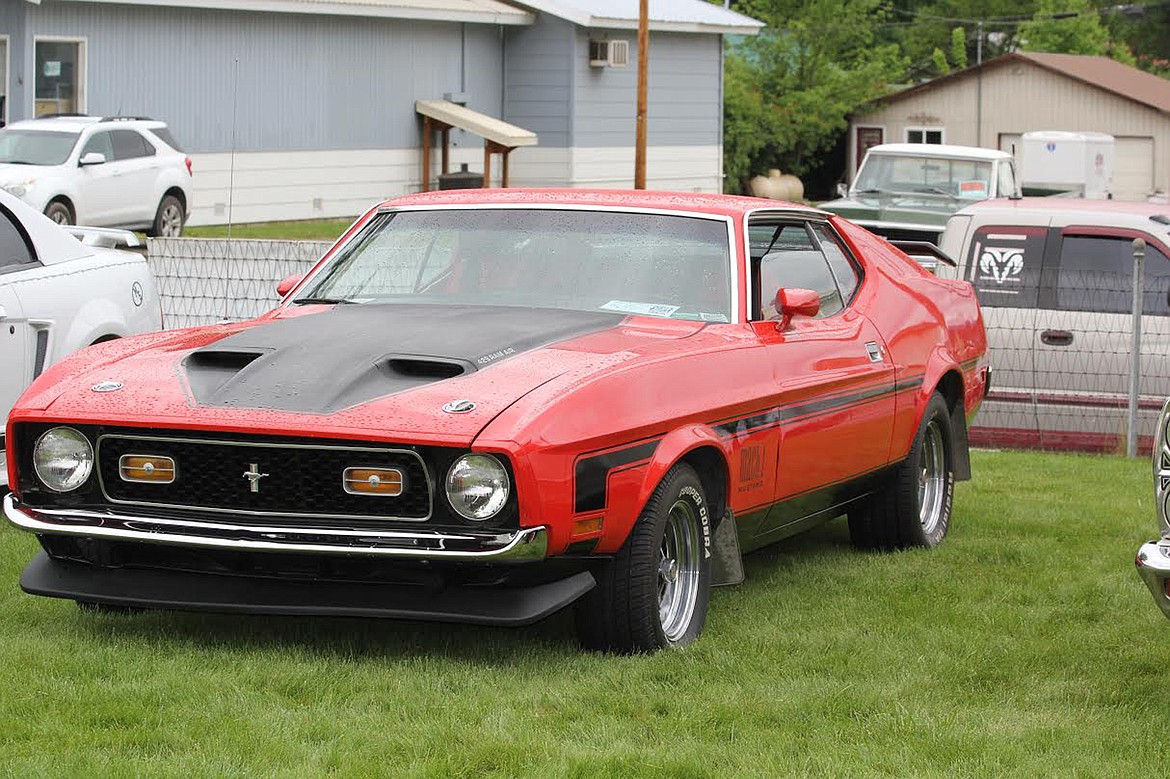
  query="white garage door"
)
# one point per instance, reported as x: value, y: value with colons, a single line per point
x: 1133, y: 168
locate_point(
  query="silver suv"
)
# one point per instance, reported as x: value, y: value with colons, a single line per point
x: 1054, y: 278
x: 108, y: 172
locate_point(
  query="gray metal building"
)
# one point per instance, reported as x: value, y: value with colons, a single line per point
x: 294, y: 109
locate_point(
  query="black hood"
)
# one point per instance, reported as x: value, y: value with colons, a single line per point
x: 351, y: 354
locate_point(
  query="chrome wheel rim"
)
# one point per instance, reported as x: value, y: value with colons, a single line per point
x: 678, y: 570
x: 60, y: 216
x: 171, y: 221
x: 931, y: 478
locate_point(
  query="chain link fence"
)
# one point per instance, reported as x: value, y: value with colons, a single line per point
x: 1060, y: 357
x: 202, y: 281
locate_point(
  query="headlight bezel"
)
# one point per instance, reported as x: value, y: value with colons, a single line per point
x: 501, y: 495
x: 86, y: 465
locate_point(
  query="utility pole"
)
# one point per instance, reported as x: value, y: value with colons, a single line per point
x: 643, y: 69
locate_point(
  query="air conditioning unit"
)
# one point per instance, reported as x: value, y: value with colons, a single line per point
x: 613, y: 54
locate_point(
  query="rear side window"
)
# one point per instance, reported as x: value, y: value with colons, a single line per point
x: 1096, y: 274
x: 164, y: 135
x: 14, y: 249
x: 1004, y: 265
x: 129, y: 145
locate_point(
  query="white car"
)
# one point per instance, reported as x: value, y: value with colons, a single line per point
x: 59, y: 294
x: 110, y: 172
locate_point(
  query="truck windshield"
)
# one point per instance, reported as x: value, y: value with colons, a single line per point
x: 904, y: 174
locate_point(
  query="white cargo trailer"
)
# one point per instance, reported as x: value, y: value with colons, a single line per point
x: 1078, y: 163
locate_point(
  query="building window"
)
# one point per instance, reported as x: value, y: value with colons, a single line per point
x: 59, y: 77
x: 924, y: 135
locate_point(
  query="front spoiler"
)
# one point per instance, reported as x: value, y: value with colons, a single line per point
x: 524, y: 545
x: 187, y: 591
x: 1153, y: 565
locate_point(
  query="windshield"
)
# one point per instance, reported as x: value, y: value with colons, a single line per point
x: 657, y: 265
x: 898, y: 174
x: 36, y: 147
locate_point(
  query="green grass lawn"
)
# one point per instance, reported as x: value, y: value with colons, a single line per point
x: 309, y: 229
x: 1024, y: 646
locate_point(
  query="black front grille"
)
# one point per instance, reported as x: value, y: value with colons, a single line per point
x: 298, y: 480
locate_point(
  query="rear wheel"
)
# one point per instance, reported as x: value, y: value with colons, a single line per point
x: 59, y: 212
x: 654, y: 593
x: 169, y: 219
x: 914, y: 507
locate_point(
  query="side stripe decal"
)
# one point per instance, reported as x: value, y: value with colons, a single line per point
x: 589, y: 490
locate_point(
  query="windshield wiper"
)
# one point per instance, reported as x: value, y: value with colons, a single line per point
x: 322, y: 301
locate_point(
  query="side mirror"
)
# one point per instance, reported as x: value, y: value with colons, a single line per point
x: 796, y: 302
x: 92, y: 158
x: 842, y: 189
x: 287, y: 283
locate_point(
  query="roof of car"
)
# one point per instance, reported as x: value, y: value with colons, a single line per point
x: 939, y: 150
x: 79, y: 121
x: 1071, y: 210
x: 727, y: 205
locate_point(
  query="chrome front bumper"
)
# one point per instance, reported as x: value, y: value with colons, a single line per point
x: 1153, y: 565
x: 523, y: 545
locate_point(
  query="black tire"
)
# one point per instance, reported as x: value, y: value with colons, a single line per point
x: 913, y: 508
x: 653, y: 595
x: 169, y: 219
x: 60, y: 212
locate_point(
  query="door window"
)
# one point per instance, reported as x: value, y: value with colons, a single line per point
x: 58, y: 78
x: 100, y: 143
x: 843, y: 269
x: 786, y: 256
x: 1096, y: 274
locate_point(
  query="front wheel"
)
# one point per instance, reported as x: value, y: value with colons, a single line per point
x: 654, y: 593
x: 169, y: 219
x: 59, y: 213
x: 914, y: 507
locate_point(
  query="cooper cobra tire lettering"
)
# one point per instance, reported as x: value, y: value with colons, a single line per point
x: 654, y: 593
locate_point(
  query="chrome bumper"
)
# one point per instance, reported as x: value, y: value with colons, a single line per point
x: 523, y: 545
x: 1153, y: 565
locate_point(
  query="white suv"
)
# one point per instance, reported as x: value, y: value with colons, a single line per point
x: 108, y: 172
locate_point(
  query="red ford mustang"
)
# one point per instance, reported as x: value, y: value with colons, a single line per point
x: 484, y: 406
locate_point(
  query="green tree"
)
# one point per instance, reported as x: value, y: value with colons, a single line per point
x: 1065, y: 27
x: 788, y: 91
x: 940, y: 62
x: 959, y: 47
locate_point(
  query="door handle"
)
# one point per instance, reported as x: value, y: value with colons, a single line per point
x: 1056, y: 337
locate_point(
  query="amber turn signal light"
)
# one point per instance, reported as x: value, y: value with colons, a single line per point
x: 387, y: 482
x: 585, y: 527
x: 151, y: 468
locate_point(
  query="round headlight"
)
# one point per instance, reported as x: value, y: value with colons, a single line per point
x: 63, y: 459
x: 477, y: 486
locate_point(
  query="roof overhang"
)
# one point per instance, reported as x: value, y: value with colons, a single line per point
x: 475, y: 11
x: 495, y: 130
x: 705, y: 18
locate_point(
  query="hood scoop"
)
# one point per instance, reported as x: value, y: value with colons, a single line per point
x: 209, y: 369
x: 326, y: 362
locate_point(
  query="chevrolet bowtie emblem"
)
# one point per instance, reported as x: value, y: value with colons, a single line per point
x: 254, y: 476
